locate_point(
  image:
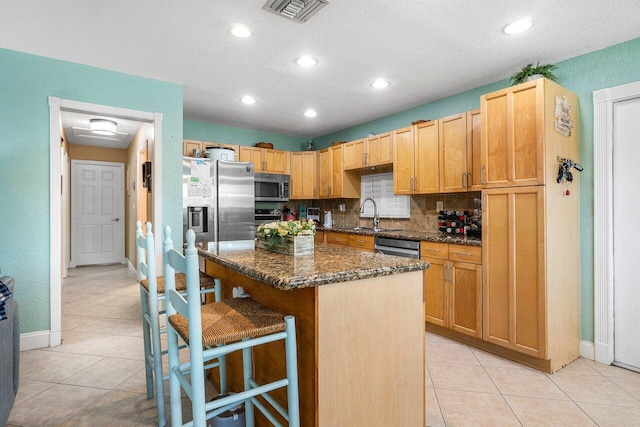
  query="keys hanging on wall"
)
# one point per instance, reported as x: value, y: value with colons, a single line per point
x: 564, y: 172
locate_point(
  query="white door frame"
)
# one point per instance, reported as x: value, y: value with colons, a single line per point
x: 603, y: 101
x: 55, y: 106
x: 119, y: 167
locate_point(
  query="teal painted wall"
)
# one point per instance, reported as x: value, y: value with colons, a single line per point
x: 26, y: 82
x: 201, y: 131
x: 614, y: 66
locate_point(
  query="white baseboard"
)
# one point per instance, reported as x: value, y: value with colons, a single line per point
x: 587, y: 350
x: 33, y: 340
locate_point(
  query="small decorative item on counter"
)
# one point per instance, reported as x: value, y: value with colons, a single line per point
x: 287, y: 237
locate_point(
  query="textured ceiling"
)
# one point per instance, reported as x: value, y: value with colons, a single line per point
x: 426, y: 49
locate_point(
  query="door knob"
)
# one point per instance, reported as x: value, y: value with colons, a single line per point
x: 116, y: 220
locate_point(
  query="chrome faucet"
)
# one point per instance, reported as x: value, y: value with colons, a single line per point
x: 376, y: 218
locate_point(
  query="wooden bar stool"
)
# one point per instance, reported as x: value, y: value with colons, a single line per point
x: 215, y: 330
x: 152, y: 291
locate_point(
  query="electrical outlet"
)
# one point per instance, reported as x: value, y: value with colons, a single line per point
x: 440, y: 206
x: 341, y: 207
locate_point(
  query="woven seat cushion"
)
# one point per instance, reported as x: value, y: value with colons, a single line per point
x: 232, y: 320
x: 181, y: 282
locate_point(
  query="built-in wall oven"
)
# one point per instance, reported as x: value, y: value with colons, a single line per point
x: 267, y: 215
x: 272, y: 187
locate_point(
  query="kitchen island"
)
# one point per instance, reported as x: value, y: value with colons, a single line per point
x: 359, y: 324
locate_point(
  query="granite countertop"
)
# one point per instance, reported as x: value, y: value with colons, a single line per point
x: 429, y: 236
x: 286, y: 272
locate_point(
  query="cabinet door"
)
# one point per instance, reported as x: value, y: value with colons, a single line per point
x: 403, y: 161
x: 337, y: 172
x: 512, y: 136
x: 275, y: 161
x: 189, y: 145
x: 336, y: 239
x: 513, y: 269
x: 427, y: 171
x: 474, y: 126
x: 252, y: 155
x: 436, y: 292
x: 365, y: 243
x: 453, y: 153
x: 325, y: 173
x: 466, y: 298
x: 303, y: 175
x: 380, y: 150
x: 354, y: 154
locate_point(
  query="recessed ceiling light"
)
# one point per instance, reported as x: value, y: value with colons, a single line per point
x: 239, y: 30
x: 380, y: 84
x: 248, y: 99
x: 306, y: 61
x: 310, y: 113
x: 518, y: 26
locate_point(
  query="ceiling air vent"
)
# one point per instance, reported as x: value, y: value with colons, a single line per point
x: 298, y: 10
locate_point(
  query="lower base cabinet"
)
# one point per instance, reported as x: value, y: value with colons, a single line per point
x: 453, y: 286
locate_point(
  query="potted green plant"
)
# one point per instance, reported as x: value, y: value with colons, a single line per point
x: 529, y: 72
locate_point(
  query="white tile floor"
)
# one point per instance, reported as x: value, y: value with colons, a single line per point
x: 96, y: 377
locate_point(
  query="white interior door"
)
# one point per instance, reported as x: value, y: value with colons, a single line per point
x: 97, y: 212
x: 626, y: 245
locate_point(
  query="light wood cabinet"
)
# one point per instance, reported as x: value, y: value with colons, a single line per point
x: 266, y: 160
x: 354, y: 154
x: 474, y: 141
x: 304, y: 176
x: 416, y: 169
x: 531, y: 234
x: 365, y: 243
x: 188, y: 145
x: 453, y: 286
x: 459, y: 141
x: 334, y: 182
x: 373, y: 151
x: 453, y: 153
x: 319, y: 237
x: 512, y: 135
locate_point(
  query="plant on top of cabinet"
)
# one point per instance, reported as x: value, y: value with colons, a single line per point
x: 529, y: 72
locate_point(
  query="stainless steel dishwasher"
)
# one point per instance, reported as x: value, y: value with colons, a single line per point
x: 397, y: 247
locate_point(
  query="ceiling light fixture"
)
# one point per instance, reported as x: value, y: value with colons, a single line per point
x: 240, y: 30
x: 518, y: 26
x: 248, y: 99
x: 380, y: 84
x: 310, y: 113
x: 306, y: 61
x: 103, y: 126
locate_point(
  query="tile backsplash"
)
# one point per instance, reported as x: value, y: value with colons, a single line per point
x: 424, y: 216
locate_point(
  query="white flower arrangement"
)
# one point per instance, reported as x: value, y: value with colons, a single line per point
x: 277, y: 230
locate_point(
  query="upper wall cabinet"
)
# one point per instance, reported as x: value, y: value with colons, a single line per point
x: 304, y: 178
x: 373, y: 151
x: 266, y: 160
x: 459, y: 141
x: 415, y: 159
x: 334, y: 182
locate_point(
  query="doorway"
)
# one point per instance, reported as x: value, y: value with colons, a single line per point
x: 626, y: 204
x: 97, y: 213
x: 616, y: 322
x: 56, y: 107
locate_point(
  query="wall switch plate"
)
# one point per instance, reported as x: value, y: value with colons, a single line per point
x: 440, y: 206
x: 341, y: 207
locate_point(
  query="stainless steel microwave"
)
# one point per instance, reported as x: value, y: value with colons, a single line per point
x: 271, y: 187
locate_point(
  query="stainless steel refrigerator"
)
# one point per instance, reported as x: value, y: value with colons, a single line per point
x: 218, y: 199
